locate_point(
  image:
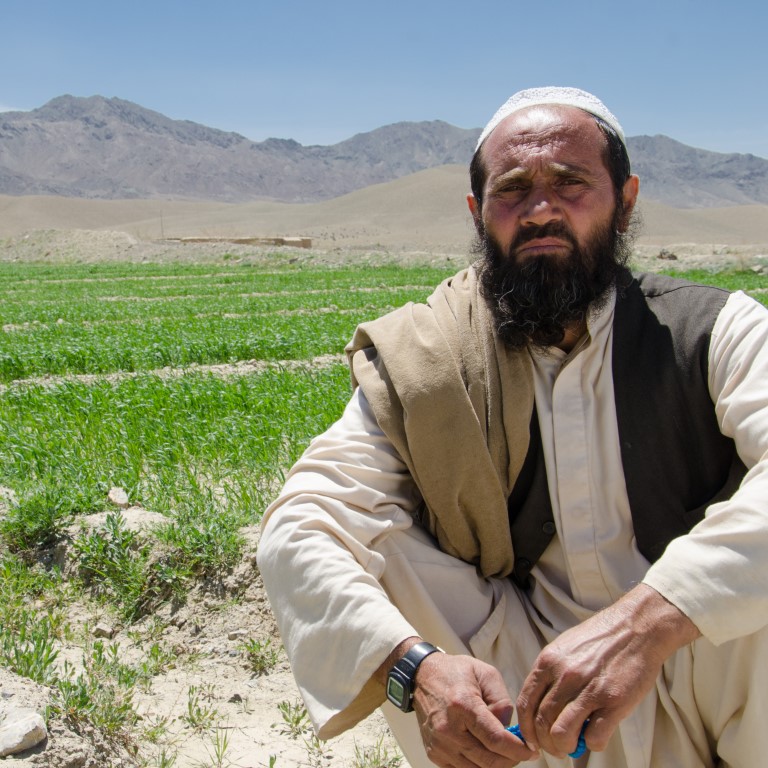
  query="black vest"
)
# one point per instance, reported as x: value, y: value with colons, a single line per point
x: 676, y: 461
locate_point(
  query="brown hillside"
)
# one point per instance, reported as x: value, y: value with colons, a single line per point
x: 425, y: 211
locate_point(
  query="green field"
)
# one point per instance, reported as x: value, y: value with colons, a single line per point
x: 102, y: 386
x: 73, y: 423
x: 105, y: 319
x: 126, y: 375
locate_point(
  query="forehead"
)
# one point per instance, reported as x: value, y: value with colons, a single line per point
x: 545, y: 134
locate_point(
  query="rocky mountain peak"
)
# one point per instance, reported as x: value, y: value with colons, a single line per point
x: 99, y: 147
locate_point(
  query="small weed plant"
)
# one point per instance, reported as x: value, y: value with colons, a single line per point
x: 165, y: 759
x: 158, y: 659
x: 318, y: 752
x: 30, y: 651
x: 376, y: 756
x: 113, y: 561
x: 200, y: 716
x: 100, y: 696
x: 260, y: 655
x: 295, y: 719
x: 217, y: 751
x: 28, y: 637
x: 41, y: 512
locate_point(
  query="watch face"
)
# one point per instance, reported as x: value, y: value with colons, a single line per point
x: 395, y: 691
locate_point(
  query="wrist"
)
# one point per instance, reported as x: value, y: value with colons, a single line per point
x: 401, y: 678
x: 669, y: 628
x: 394, y: 656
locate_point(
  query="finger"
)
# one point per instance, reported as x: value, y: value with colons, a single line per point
x: 568, y: 727
x: 559, y: 719
x: 448, y: 750
x: 529, y: 699
x: 476, y: 736
x: 599, y: 730
x: 515, y: 731
x: 498, y: 742
x: 450, y: 760
x: 487, y: 759
x: 468, y: 752
x: 502, y: 710
x: 494, y: 693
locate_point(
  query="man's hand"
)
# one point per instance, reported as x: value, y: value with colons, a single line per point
x: 600, y: 670
x: 463, y: 705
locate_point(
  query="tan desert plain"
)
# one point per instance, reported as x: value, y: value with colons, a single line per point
x: 424, y: 213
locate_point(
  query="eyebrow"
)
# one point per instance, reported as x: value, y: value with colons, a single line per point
x: 565, y: 169
x: 557, y: 169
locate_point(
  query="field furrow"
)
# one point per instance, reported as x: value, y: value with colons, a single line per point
x: 226, y: 370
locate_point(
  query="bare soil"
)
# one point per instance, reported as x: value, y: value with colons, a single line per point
x: 205, y: 636
x: 92, y: 246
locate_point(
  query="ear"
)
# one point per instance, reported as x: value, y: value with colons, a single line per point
x: 474, y: 209
x: 629, y: 196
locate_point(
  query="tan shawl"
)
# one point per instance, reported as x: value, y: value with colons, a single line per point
x: 456, y: 404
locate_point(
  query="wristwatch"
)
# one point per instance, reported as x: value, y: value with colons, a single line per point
x: 401, y: 676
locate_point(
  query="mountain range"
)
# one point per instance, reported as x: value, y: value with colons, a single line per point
x: 109, y: 148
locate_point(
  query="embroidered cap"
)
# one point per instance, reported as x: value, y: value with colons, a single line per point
x: 567, y: 97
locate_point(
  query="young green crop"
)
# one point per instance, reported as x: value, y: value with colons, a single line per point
x: 163, y: 440
x: 31, y: 282
x: 753, y: 283
x: 23, y: 316
x: 102, y: 323
x: 176, y: 343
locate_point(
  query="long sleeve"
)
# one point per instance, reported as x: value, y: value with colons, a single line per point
x: 717, y: 574
x: 336, y: 622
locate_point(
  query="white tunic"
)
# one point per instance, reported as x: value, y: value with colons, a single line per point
x: 322, y: 570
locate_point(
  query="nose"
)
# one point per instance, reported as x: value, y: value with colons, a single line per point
x: 541, y: 206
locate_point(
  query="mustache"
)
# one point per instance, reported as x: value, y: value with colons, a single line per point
x: 535, y: 231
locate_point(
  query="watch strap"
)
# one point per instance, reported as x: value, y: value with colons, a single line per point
x: 404, y: 672
x: 415, y: 656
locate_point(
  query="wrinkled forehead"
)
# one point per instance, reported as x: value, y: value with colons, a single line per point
x: 545, y: 128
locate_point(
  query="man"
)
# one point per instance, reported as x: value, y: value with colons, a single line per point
x: 554, y: 472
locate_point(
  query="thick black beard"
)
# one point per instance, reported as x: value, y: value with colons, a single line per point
x: 533, y: 302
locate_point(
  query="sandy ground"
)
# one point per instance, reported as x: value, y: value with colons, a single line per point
x: 207, y: 672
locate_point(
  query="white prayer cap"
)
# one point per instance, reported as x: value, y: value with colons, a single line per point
x: 551, y: 94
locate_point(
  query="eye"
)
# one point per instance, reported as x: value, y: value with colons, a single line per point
x: 512, y: 188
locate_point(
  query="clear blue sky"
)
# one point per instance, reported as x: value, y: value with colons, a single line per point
x: 320, y: 71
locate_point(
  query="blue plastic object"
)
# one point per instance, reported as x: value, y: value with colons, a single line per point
x: 581, y: 745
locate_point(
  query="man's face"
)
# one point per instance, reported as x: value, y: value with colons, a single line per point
x: 544, y: 166
x: 548, y: 224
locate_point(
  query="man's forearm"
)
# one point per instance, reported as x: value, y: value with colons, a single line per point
x: 380, y: 675
x: 648, y: 611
